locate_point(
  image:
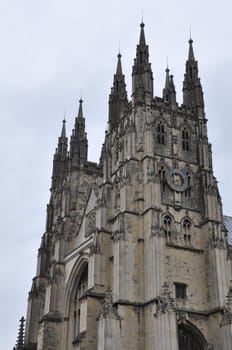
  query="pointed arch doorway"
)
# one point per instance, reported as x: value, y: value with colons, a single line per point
x: 190, y: 338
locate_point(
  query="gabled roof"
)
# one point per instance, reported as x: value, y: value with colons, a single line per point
x: 228, y: 224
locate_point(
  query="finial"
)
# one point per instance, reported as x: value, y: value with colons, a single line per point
x: 80, y: 112
x: 142, y: 24
x: 167, y: 68
x: 63, y: 131
x: 167, y: 77
x: 119, y: 65
x: 191, y: 53
x: 142, y: 40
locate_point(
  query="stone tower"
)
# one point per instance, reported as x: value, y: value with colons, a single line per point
x: 135, y: 253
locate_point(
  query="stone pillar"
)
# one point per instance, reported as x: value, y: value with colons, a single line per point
x: 226, y: 323
x: 166, y: 336
x: 109, y: 337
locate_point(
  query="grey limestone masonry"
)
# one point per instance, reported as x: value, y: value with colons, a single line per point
x: 135, y: 254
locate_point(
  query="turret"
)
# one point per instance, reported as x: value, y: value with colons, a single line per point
x: 118, y: 96
x: 169, y: 91
x: 192, y: 89
x: 60, y: 158
x: 79, y: 142
x: 142, y: 76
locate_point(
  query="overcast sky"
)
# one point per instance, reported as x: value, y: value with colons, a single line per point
x: 49, y: 52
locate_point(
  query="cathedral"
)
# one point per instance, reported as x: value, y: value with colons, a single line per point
x: 136, y: 254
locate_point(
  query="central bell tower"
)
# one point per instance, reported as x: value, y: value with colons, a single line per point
x: 135, y: 253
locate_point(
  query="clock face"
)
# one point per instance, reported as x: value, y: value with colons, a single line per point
x: 177, y: 180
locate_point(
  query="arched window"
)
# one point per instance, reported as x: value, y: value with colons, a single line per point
x: 162, y: 176
x: 167, y: 224
x: 188, y: 189
x: 185, y: 139
x: 160, y: 133
x: 187, y: 231
x: 80, y: 293
x: 190, y: 338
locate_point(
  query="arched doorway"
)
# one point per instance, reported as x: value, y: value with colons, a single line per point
x: 190, y: 338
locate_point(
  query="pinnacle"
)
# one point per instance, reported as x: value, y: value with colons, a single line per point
x: 63, y: 132
x: 191, y: 53
x: 119, y: 65
x: 167, y: 78
x: 142, y: 40
x: 80, y: 111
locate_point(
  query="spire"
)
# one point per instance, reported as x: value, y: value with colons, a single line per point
x: 80, y: 111
x: 142, y: 76
x: 60, y: 157
x: 191, y: 53
x: 169, y: 92
x: 119, y: 65
x: 142, y: 40
x: 167, y: 79
x: 61, y: 151
x: 79, y: 142
x: 118, y: 96
x: 63, y: 132
x: 192, y: 89
x: 20, y: 339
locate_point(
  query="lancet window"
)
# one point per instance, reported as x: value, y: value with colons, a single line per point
x: 187, y: 225
x: 160, y: 133
x: 185, y: 139
x: 162, y: 176
x: 80, y: 293
x: 167, y: 224
x: 188, y: 189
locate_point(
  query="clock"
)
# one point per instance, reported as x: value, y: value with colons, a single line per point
x: 177, y: 180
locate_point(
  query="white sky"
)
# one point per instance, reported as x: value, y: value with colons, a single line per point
x: 53, y: 49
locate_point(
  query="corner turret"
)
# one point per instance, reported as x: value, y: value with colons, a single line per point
x: 142, y: 76
x: 79, y: 142
x: 192, y: 89
x: 118, y: 96
x: 169, y: 91
x: 60, y: 158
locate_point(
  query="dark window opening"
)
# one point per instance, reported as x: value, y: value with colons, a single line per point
x: 162, y: 176
x: 185, y: 139
x: 188, y: 189
x: 167, y: 223
x: 80, y: 293
x: 180, y: 290
x: 160, y: 134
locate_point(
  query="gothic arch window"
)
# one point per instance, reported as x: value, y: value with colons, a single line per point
x: 160, y: 133
x: 187, y: 227
x: 188, y: 189
x: 162, y: 177
x: 81, y: 289
x: 190, y: 338
x: 185, y: 139
x: 167, y: 225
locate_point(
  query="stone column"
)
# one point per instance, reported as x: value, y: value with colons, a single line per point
x: 109, y: 337
x: 165, y: 322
